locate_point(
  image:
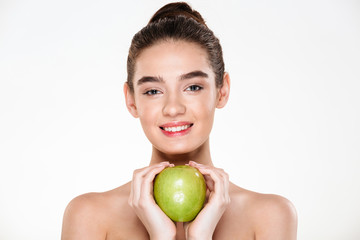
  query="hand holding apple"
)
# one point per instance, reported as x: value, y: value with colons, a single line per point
x: 217, y: 181
x: 157, y: 224
x: 180, y: 192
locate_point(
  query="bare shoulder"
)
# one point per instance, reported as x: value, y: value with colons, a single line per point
x: 271, y: 216
x: 91, y: 215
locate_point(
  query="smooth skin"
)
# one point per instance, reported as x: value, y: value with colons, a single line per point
x: 169, y: 94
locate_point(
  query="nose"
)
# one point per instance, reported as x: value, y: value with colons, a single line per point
x: 173, y: 106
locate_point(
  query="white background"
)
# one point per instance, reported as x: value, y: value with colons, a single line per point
x: 291, y: 126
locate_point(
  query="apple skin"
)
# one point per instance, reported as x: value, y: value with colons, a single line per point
x: 180, y: 192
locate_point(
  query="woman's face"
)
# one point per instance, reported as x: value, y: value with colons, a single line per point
x: 174, y: 96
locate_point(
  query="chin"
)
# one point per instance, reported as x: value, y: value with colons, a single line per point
x: 178, y: 149
x: 174, y: 151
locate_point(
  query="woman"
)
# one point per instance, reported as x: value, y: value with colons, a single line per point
x: 175, y: 82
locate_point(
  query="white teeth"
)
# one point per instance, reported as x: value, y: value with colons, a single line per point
x: 176, y: 129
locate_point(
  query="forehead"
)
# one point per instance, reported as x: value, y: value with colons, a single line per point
x: 171, y: 59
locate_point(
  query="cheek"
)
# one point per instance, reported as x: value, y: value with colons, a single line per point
x: 204, y: 107
x: 148, y: 113
x: 208, y: 103
x: 206, y: 110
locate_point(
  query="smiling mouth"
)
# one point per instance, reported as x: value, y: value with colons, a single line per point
x: 177, y: 128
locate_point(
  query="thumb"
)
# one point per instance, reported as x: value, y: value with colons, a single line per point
x: 209, y: 182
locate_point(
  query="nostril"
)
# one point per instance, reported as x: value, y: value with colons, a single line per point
x: 174, y: 108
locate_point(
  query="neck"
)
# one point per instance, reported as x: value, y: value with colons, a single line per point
x: 200, y: 155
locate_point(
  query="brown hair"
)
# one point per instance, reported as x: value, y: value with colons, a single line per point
x: 177, y: 21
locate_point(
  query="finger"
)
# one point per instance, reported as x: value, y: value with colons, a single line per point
x: 193, y: 163
x: 143, y: 171
x: 226, y: 180
x: 217, y: 179
x: 148, y: 180
x: 213, y: 177
x: 226, y: 185
x: 209, y: 182
x: 138, y: 180
x: 136, y: 184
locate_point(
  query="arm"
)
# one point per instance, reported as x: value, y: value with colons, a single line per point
x: 277, y: 219
x: 82, y: 220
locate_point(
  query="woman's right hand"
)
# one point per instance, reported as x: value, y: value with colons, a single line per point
x: 158, y: 225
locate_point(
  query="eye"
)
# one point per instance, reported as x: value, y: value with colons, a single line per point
x: 194, y: 88
x: 152, y: 92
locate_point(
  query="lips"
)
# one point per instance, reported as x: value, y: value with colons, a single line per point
x: 176, y: 128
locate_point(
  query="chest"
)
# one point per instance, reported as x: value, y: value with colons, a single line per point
x: 134, y: 230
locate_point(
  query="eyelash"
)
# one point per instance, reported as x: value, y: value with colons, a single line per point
x: 197, y: 88
x: 152, y: 92
x: 192, y: 88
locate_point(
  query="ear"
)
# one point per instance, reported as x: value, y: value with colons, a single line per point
x: 224, y: 91
x: 130, y: 101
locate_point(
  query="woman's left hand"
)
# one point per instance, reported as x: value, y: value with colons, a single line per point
x: 217, y: 182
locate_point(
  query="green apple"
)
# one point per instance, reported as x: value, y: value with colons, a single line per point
x: 180, y: 192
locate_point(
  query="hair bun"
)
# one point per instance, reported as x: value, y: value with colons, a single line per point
x: 175, y: 9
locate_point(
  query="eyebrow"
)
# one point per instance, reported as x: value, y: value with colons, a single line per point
x: 149, y: 79
x: 185, y: 76
x: 193, y: 75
